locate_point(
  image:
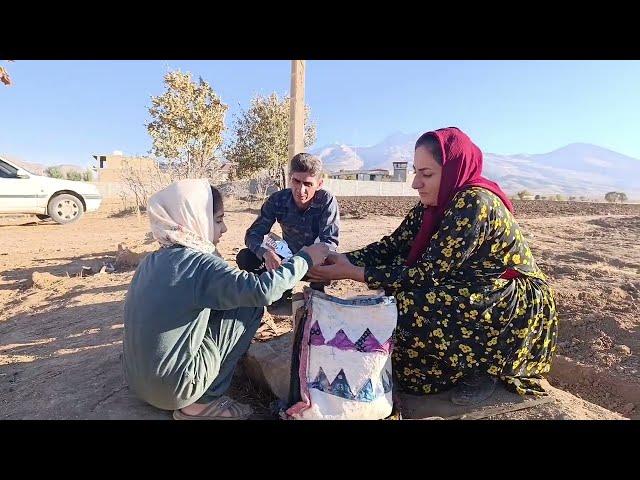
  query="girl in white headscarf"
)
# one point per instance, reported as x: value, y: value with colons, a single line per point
x: 189, y: 316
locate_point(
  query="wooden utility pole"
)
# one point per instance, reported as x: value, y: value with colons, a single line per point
x: 296, y: 110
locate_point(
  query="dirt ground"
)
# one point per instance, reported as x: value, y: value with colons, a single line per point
x: 61, y: 325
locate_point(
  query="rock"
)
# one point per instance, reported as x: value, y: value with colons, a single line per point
x: 85, y: 271
x: 505, y: 405
x: 625, y: 350
x: 269, y: 365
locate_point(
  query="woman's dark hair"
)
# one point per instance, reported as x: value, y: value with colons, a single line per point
x: 217, y: 200
x: 432, y: 144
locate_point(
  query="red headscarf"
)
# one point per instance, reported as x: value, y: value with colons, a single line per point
x: 461, y: 169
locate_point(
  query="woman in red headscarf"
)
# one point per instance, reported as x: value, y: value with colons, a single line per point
x: 473, y: 306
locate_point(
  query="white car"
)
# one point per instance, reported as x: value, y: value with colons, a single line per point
x: 63, y: 200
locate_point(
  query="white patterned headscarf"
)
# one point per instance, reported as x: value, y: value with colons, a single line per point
x: 182, y: 214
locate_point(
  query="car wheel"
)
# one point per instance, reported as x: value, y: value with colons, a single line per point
x: 65, y: 208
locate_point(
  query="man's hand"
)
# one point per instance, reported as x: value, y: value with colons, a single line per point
x: 318, y: 252
x: 271, y: 260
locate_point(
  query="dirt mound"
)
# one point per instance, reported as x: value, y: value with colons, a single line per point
x: 127, y: 258
x: 43, y: 281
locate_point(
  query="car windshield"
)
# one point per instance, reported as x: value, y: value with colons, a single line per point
x: 7, y: 170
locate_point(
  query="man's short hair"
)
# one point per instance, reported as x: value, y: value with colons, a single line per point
x: 306, y: 163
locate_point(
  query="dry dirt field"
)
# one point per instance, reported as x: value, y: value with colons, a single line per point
x: 61, y: 325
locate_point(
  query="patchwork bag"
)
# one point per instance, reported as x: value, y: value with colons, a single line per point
x: 341, y: 358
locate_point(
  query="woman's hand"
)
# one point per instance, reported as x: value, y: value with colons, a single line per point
x: 336, y: 267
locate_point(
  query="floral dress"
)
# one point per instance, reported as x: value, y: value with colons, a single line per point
x: 456, y: 316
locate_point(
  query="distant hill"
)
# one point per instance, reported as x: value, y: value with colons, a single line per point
x: 39, y: 169
x: 577, y: 169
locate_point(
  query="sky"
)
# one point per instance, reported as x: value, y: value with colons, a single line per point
x: 62, y: 112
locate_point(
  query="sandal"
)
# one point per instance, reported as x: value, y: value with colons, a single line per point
x: 214, y: 411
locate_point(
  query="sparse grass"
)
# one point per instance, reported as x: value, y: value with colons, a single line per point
x: 126, y: 212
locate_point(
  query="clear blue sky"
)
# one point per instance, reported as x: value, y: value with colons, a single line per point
x: 64, y: 111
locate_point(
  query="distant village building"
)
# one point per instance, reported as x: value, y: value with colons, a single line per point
x: 400, y: 171
x: 374, y: 175
x: 110, y: 166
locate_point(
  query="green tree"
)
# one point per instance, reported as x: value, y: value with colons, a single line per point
x: 611, y: 197
x: 74, y: 175
x: 186, y: 127
x: 261, y: 138
x: 53, y: 172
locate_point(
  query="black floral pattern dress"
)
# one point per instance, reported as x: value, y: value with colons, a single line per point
x: 455, y: 314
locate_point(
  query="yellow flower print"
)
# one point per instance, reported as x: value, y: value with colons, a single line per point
x: 476, y: 297
x: 483, y: 213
